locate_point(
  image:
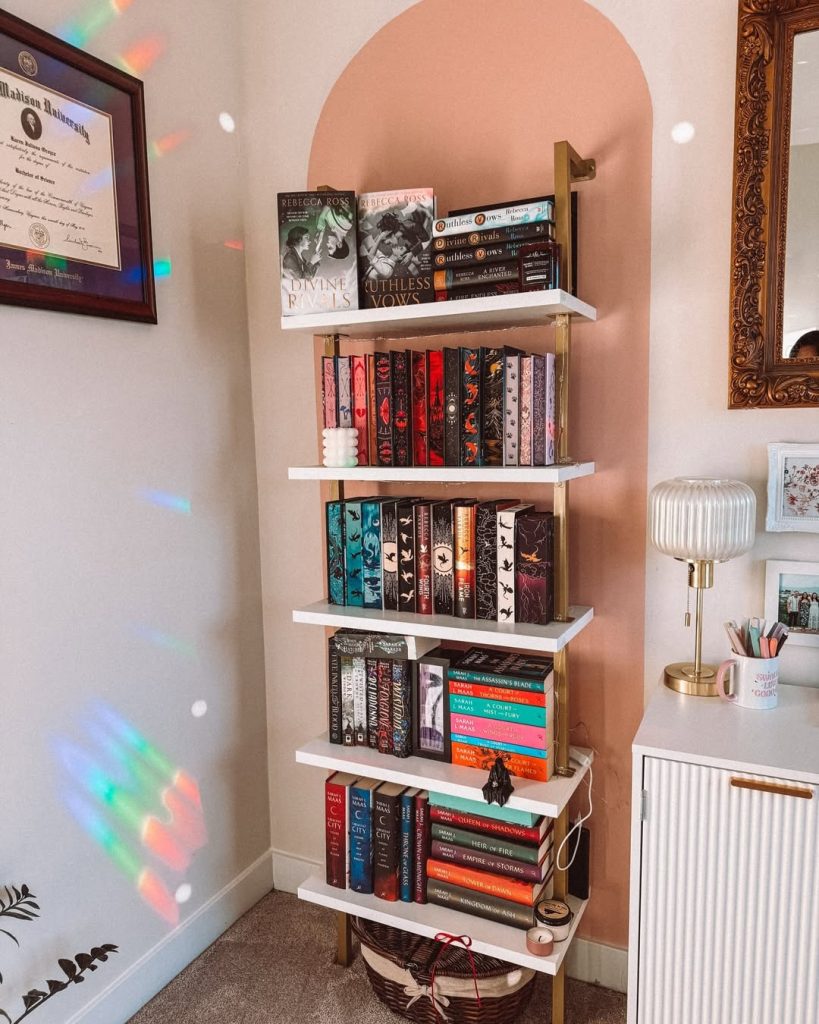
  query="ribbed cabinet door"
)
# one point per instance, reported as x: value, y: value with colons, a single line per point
x: 729, y: 900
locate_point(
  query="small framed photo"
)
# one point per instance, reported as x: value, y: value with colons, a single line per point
x: 430, y: 707
x: 793, y: 488
x: 792, y: 597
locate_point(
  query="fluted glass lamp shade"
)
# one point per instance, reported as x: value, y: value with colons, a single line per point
x: 701, y: 519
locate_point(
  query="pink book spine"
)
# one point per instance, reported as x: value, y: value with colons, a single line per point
x: 328, y: 391
x: 525, y: 446
x: 505, y: 732
x: 551, y: 396
x: 359, y: 371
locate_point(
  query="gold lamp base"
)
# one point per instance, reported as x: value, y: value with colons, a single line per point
x: 684, y: 678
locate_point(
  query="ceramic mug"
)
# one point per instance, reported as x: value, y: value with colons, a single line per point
x: 754, y: 681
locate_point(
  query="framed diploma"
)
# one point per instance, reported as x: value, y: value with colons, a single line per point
x: 75, y: 230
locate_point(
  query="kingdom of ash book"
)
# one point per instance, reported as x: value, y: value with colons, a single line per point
x: 395, y: 247
x: 317, y: 252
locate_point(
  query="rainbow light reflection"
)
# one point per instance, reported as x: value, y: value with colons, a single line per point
x: 138, y: 58
x: 167, y: 143
x: 164, y: 499
x: 166, y: 641
x: 235, y: 243
x: 78, y: 32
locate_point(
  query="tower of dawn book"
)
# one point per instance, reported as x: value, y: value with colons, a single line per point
x: 317, y: 252
x: 395, y: 247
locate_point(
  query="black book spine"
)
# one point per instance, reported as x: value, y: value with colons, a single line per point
x: 478, y: 291
x: 492, y: 908
x: 334, y: 686
x: 458, y: 277
x: 534, y: 567
x: 407, y: 594
x: 372, y: 702
x: 401, y: 409
x: 492, y: 406
x: 486, y: 561
x: 492, y: 236
x: 389, y: 555
x: 401, y: 709
x: 470, y: 425
x: 477, y: 255
x: 383, y: 408
x: 452, y: 406
x: 443, y: 577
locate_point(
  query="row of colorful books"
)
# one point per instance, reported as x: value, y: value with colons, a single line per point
x: 444, y: 407
x: 382, y: 249
x: 402, y: 843
x: 487, y: 560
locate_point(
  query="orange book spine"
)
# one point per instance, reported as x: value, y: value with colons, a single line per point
x: 465, y: 561
x: 458, y: 686
x: 523, y: 767
x: 483, y: 881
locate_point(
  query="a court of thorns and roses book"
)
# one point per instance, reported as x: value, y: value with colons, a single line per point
x: 395, y: 247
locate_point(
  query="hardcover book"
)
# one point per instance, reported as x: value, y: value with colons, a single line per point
x: 492, y: 406
x: 486, y: 558
x: 534, y: 567
x: 395, y: 247
x: 372, y: 702
x: 371, y: 552
x: 361, y: 842
x: 389, y: 554
x: 498, y: 710
x: 476, y: 255
x: 536, y: 874
x: 386, y: 828
x: 452, y: 406
x: 506, y: 561
x: 502, y: 662
x: 526, y: 893
x: 467, y: 806
x: 421, y: 847
x: 443, y: 560
x: 525, y: 433
x: 359, y: 671
x: 336, y: 578
x: 360, y: 408
x: 480, y: 730
x: 345, y: 391
x: 538, y: 410
x: 407, y: 598
x: 501, y: 693
x: 511, y: 400
x: 419, y: 408
x: 470, y: 439
x: 347, y: 702
x: 329, y: 395
x: 435, y: 406
x: 401, y: 709
x: 491, y: 908
x: 334, y: 692
x: 353, y: 554
x: 423, y: 558
x: 464, y: 520
x: 336, y: 790
x: 551, y: 421
x: 406, y: 866
x: 384, y: 738
x: 401, y: 409
x: 461, y: 277
x: 529, y: 765
x: 381, y: 645
x: 544, y: 229
x: 486, y: 290
x: 513, y: 215
x: 317, y: 252
x: 372, y: 411
x: 490, y: 839
x: 383, y: 409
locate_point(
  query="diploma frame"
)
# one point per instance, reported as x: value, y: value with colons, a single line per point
x: 124, y: 292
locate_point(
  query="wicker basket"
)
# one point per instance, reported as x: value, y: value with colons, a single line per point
x: 400, y: 965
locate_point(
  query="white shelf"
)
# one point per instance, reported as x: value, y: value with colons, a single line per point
x: 549, y: 639
x: 547, y: 798
x: 500, y: 312
x: 492, y: 939
x: 447, y: 474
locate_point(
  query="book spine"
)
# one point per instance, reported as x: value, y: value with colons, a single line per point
x: 419, y: 408
x: 536, y: 753
x: 484, y: 757
x: 385, y: 847
x: 407, y: 599
x: 539, y: 266
x: 336, y: 577
x: 335, y: 834
x: 421, y: 847
x: 443, y: 577
x: 329, y: 395
x: 482, y: 881
x: 353, y: 554
x: 506, y: 566
x: 492, y: 236
x: 478, y: 291
x: 373, y: 645
x: 534, y: 567
x: 478, y: 255
x: 372, y: 417
x: 435, y: 407
x: 383, y: 409
x: 486, y: 561
x: 465, y: 561
x: 452, y: 406
x: 499, y: 693
x: 384, y: 706
x: 497, y: 844
x: 360, y: 408
x: 497, y: 731
x: 360, y: 701
x: 500, y: 217
x: 525, y: 438
x: 532, y: 873
x: 405, y: 868
x: 491, y: 827
x: 401, y: 409
x: 470, y: 425
x: 345, y: 392
x: 347, y: 702
x: 551, y: 421
x: 499, y: 710
x: 334, y: 688
x: 371, y: 553
x: 467, y: 675
x: 372, y: 702
x: 488, y: 907
x: 361, y: 865
x: 511, y: 398
x: 538, y: 410
x: 492, y: 406
x: 389, y: 555
x: 460, y: 277
x: 401, y: 709
x: 423, y: 557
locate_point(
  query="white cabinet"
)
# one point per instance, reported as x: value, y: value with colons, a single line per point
x: 725, y: 863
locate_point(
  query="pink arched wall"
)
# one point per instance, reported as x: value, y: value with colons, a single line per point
x: 469, y: 98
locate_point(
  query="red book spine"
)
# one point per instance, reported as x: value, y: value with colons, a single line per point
x: 483, y: 757
x: 384, y: 706
x: 497, y: 693
x: 359, y: 375
x: 423, y: 560
x: 435, y: 407
x: 475, y: 823
x: 465, y: 561
x: 328, y: 391
x: 421, y: 846
x: 386, y: 827
x: 483, y: 881
x: 419, y: 408
x: 335, y: 810
x: 371, y: 410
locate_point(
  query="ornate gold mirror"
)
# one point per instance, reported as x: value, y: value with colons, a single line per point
x: 775, y: 237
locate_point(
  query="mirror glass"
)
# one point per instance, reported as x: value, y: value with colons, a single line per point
x: 801, y: 300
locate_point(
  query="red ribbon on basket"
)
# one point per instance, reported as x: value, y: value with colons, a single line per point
x: 446, y: 940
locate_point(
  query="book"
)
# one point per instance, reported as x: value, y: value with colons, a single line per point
x: 496, y: 731
x: 334, y: 692
x: 389, y: 554
x: 372, y: 411
x: 524, y: 762
x: 488, y: 289
x: 401, y: 408
x: 359, y: 684
x: 337, y: 850
x: 492, y: 236
x: 443, y: 559
x: 512, y: 215
x: 353, y: 554
x: 423, y: 558
x: 386, y: 829
x: 371, y: 552
x: 491, y: 662
x: 499, y: 710
x: 387, y: 645
x: 435, y: 407
x: 506, y: 560
x: 525, y: 406
x: 421, y: 847
x: 551, y: 422
x: 525, y: 835
x: 536, y: 874
x: 372, y: 702
x: 492, y: 406
x: 470, y: 425
x: 407, y: 597
x: 401, y: 709
x: 486, y: 557
x: 384, y: 736
x: 524, y: 751
x: 395, y: 247
x: 345, y: 391
x: 483, y: 253
x: 334, y: 531
x: 538, y: 413
x: 317, y: 252
x: 491, y: 908
x: 452, y: 406
x: 539, y: 264
x: 361, y: 835
x: 534, y: 567
x: 499, y: 693
x: 361, y: 407
x: 383, y: 409
x: 347, y: 701
x: 525, y: 893
x: 406, y: 864
x: 464, y: 529
x: 511, y: 400
x: 461, y: 277
x: 419, y: 408
x: 329, y: 395
x: 463, y: 804
x: 430, y: 706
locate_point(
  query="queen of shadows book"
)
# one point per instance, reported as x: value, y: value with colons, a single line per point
x: 395, y: 247
x: 317, y: 252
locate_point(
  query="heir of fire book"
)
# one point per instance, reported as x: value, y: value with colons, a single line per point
x: 317, y: 252
x: 395, y: 247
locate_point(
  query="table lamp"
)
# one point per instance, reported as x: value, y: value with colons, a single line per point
x: 700, y: 521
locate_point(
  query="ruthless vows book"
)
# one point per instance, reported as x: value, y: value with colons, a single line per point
x: 395, y: 247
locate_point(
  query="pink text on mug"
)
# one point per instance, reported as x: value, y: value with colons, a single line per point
x: 754, y: 682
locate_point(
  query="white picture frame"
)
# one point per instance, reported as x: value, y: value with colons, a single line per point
x: 793, y: 488
x: 784, y: 579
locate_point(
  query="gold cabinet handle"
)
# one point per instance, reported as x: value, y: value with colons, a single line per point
x: 772, y: 787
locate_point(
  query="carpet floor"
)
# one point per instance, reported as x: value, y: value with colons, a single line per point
x: 275, y: 966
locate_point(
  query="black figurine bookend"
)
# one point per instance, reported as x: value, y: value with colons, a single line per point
x: 499, y: 786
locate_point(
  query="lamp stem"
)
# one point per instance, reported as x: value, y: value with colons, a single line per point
x: 698, y: 634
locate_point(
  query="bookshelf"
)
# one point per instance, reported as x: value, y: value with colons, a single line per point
x: 530, y: 309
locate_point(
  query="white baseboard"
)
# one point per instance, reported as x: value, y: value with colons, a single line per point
x: 156, y: 967
x: 588, y: 961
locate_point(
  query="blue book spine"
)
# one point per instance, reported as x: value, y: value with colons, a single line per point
x: 361, y: 847
x: 353, y: 553
x: 335, y: 552
x: 405, y: 864
x: 501, y: 711
x: 371, y: 552
x: 511, y: 748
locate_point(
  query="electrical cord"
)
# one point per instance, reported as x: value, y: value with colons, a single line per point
x: 578, y: 824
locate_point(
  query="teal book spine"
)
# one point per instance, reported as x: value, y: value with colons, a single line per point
x: 510, y: 748
x: 371, y: 553
x: 353, y: 554
x: 458, y: 803
x: 501, y: 711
